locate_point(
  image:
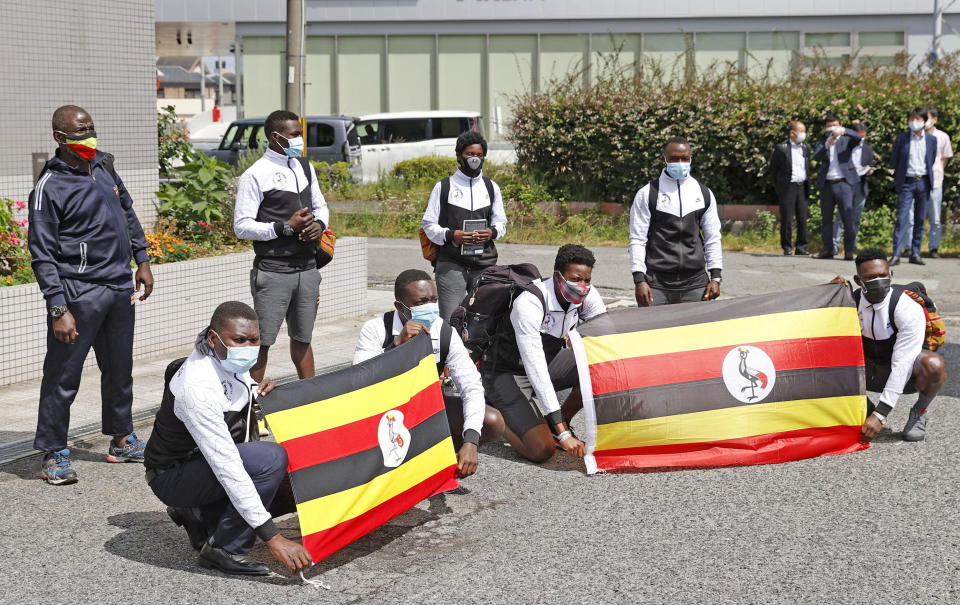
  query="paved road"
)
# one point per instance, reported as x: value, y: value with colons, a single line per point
x: 877, y: 526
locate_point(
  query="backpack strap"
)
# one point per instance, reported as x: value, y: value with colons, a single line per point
x: 444, y: 197
x: 388, y: 329
x: 305, y: 164
x: 652, y: 194
x: 489, y: 185
x: 896, y: 292
x: 446, y: 332
x: 706, y: 195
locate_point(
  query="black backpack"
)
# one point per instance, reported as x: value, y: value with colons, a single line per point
x: 488, y: 302
x: 445, y: 333
x: 935, y: 333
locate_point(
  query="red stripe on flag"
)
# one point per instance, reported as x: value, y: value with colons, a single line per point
x: 360, y: 435
x: 322, y: 544
x: 704, y: 364
x: 760, y: 449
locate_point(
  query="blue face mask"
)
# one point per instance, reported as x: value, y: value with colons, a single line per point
x: 294, y: 148
x: 678, y: 170
x: 425, y: 314
x: 239, y: 359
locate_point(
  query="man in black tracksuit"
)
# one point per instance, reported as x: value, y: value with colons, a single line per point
x: 83, y: 234
x: 675, y: 235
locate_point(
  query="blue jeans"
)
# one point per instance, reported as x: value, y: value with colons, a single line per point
x: 933, y: 213
x: 859, y: 202
x: 912, y: 202
x: 839, y: 196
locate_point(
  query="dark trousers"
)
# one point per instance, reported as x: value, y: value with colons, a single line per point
x: 673, y: 297
x: 104, y: 318
x: 793, y: 205
x: 192, y: 484
x: 837, y: 196
x: 913, y: 196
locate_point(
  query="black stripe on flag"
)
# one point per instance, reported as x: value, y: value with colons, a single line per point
x: 356, y: 469
x: 392, y: 363
x: 712, y: 394
x: 671, y: 316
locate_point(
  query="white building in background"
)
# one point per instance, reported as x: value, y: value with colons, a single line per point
x: 368, y: 56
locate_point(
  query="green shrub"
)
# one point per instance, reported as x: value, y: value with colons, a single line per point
x: 334, y: 178
x: 765, y: 224
x: 173, y: 144
x: 199, y: 204
x: 603, y: 142
x: 245, y: 160
x: 424, y: 171
x: 876, y: 228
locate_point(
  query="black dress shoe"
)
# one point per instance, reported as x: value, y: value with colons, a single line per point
x: 801, y: 251
x: 916, y: 260
x: 934, y: 254
x: 185, y: 518
x: 893, y: 261
x: 212, y: 557
x: 848, y: 256
x: 787, y: 251
x: 822, y: 254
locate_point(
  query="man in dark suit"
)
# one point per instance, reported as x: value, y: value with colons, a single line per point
x: 836, y: 179
x: 912, y: 159
x: 789, y: 167
x: 863, y: 160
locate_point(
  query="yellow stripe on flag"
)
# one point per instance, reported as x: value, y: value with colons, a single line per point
x: 323, y: 513
x: 356, y: 405
x: 733, y: 423
x: 810, y: 323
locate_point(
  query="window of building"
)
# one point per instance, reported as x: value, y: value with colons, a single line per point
x: 826, y: 40
x: 771, y: 53
x: 718, y: 51
x: 880, y: 38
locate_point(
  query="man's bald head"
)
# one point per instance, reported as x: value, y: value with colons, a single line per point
x: 65, y: 117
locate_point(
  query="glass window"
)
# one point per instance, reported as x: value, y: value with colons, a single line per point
x: 771, y: 52
x: 561, y: 56
x: 369, y: 133
x: 718, y: 50
x: 881, y: 38
x: 227, y: 139
x: 827, y: 39
x: 404, y: 131
x: 353, y: 139
x: 449, y: 128
x: 667, y: 53
x: 875, y: 60
x: 614, y: 54
x: 320, y: 135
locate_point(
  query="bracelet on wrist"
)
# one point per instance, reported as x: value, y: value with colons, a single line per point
x: 564, y: 435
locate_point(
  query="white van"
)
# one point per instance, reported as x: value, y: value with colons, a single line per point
x: 388, y: 138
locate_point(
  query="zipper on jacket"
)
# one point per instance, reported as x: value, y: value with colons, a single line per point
x: 679, y: 243
x: 83, y: 258
x: 471, y: 193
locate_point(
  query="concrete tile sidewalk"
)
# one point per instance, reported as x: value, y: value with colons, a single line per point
x: 333, y: 344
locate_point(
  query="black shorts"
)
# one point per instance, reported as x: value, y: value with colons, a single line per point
x: 514, y: 397
x: 877, y: 371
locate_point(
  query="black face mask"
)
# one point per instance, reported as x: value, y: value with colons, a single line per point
x: 471, y: 166
x: 876, y: 289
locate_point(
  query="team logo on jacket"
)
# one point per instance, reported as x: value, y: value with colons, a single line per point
x: 456, y: 194
x: 394, y: 438
x: 748, y: 374
x: 279, y: 179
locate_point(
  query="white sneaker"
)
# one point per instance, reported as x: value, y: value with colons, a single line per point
x: 916, y: 427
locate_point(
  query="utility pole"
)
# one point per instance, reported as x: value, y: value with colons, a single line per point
x: 203, y: 88
x: 295, y: 56
x: 220, y: 79
x: 937, y: 30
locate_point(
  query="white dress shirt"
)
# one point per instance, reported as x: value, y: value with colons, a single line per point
x: 833, y: 167
x: 529, y: 320
x: 463, y: 371
x: 798, y: 167
x: 911, y: 325
x: 917, y: 160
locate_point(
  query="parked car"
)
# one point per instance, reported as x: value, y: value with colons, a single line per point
x: 329, y: 139
x: 388, y: 138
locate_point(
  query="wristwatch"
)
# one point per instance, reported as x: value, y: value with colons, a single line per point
x: 58, y: 311
x: 880, y: 417
x: 717, y: 279
x: 287, y: 229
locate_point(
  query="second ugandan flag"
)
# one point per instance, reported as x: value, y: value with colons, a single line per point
x: 747, y: 381
x: 364, y: 444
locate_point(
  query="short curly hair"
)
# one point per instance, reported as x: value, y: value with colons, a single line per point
x: 468, y: 138
x: 869, y: 254
x: 573, y: 254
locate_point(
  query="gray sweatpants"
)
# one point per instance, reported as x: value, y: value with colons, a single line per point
x: 453, y: 280
x: 672, y: 297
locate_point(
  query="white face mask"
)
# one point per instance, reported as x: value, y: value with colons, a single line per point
x: 801, y: 137
x: 916, y: 125
x: 928, y: 124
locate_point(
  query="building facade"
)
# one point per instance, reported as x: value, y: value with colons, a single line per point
x: 98, y: 54
x: 366, y: 56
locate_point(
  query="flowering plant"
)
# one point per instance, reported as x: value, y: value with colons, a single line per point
x: 14, y: 255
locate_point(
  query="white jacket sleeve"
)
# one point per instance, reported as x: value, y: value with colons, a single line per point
x: 911, y: 328
x: 526, y: 317
x: 465, y: 375
x: 200, y: 407
x: 320, y: 210
x: 498, y: 217
x: 639, y: 228
x: 245, y: 208
x: 710, y: 227
x: 437, y: 234
x: 370, y: 343
x: 592, y: 305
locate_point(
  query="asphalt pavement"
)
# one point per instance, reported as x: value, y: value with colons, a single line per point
x: 878, y: 526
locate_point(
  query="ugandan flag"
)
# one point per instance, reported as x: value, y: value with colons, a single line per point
x: 752, y: 380
x: 364, y: 444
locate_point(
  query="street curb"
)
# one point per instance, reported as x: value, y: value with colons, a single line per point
x: 23, y: 448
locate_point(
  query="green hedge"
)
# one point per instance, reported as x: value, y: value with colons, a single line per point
x: 424, y: 171
x: 605, y: 141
